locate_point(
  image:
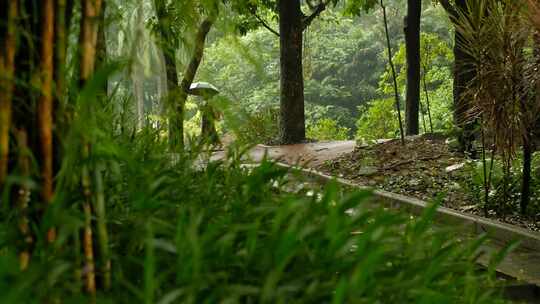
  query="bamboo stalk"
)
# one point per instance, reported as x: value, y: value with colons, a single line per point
x: 77, y: 274
x: 89, y: 266
x: 88, y: 248
x: 45, y: 106
x: 103, y: 237
x: 61, y: 48
x: 88, y: 40
x: 7, y: 70
x: 64, y: 117
x: 23, y: 198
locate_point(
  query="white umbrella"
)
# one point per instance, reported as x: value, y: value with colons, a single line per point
x: 204, y: 89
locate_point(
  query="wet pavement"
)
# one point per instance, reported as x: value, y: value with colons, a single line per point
x: 312, y: 154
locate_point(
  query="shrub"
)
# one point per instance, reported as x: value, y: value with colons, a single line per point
x: 377, y: 120
x: 327, y: 129
x: 260, y: 126
x: 221, y: 232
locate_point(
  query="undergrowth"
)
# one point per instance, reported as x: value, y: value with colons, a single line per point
x: 191, y: 230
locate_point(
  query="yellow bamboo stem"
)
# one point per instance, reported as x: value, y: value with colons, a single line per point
x: 101, y: 227
x: 7, y: 70
x: 91, y: 10
x: 23, y: 198
x: 89, y: 267
x: 88, y: 248
x: 89, y: 33
x: 45, y: 106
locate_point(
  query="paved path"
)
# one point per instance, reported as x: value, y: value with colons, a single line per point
x: 312, y: 154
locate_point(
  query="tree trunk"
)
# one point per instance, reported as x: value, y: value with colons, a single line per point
x: 463, y: 75
x: 168, y: 46
x: 187, y: 80
x: 172, y: 88
x: 162, y: 89
x: 412, y: 42
x: 7, y: 69
x: 292, y: 120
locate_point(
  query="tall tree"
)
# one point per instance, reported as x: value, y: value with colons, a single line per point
x: 165, y: 29
x: 187, y: 79
x: 292, y: 23
x: 412, y: 43
x: 168, y: 28
x: 463, y: 74
x: 292, y: 125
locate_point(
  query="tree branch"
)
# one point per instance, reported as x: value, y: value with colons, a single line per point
x: 263, y: 23
x: 306, y: 21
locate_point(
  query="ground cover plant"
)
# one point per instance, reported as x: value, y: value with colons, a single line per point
x: 187, y: 233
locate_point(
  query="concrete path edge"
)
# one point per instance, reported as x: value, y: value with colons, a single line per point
x: 476, y: 225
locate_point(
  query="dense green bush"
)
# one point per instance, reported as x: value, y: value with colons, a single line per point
x: 194, y: 231
x: 327, y: 129
x: 377, y: 120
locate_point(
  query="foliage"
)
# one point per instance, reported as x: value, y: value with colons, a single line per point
x: 327, y: 129
x: 501, y: 49
x: 259, y: 127
x: 436, y: 67
x: 500, y: 181
x: 343, y: 64
x: 192, y: 127
x: 377, y: 120
x: 224, y: 232
x: 357, y: 7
